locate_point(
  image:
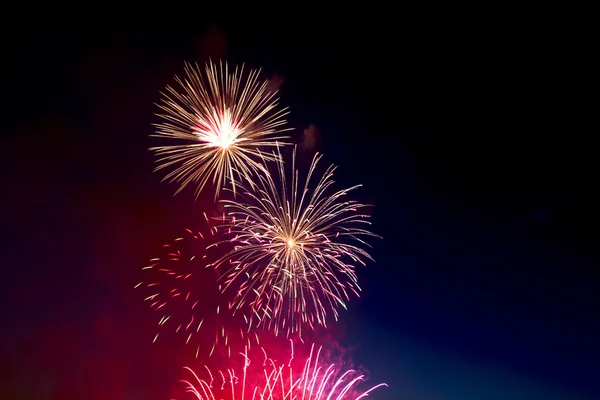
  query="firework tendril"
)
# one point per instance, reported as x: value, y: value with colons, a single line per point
x: 183, y: 288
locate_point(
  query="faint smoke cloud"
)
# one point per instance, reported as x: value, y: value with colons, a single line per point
x: 310, y: 138
x: 275, y: 83
x: 213, y: 44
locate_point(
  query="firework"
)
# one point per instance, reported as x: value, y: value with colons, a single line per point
x: 221, y: 119
x: 183, y: 288
x: 296, y: 246
x: 314, y: 380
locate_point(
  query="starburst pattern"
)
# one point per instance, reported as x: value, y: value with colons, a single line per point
x: 222, y: 118
x: 296, y: 247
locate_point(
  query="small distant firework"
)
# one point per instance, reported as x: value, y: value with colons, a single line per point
x: 183, y: 288
x: 221, y: 119
x: 313, y: 380
x: 296, y: 247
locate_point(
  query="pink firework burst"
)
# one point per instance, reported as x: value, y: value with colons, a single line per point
x: 185, y: 290
x: 298, y: 377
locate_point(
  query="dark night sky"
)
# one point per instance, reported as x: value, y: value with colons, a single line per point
x: 468, y: 139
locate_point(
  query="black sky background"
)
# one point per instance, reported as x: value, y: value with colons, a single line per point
x: 468, y: 139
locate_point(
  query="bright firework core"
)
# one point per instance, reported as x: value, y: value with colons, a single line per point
x: 221, y: 117
x: 219, y: 131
